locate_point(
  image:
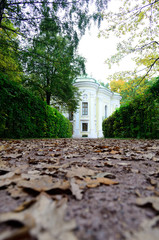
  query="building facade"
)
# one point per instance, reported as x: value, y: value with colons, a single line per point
x: 97, y: 103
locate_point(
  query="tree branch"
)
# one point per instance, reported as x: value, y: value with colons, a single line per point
x: 147, y: 44
x: 38, y: 2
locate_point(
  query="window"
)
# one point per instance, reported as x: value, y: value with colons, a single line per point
x: 85, y: 108
x: 84, y: 127
x: 106, y: 109
x: 70, y: 116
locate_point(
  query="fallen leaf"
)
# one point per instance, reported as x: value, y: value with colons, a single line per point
x: 100, y: 180
x: 108, y: 164
x: 7, y: 175
x: 114, y: 152
x: 154, y: 201
x: 44, y: 220
x: 79, y: 172
x: 76, y: 191
x: 44, y: 183
x: 9, y: 178
x: 155, y: 159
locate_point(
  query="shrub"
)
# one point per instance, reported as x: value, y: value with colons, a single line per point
x: 23, y: 115
x: 136, y: 119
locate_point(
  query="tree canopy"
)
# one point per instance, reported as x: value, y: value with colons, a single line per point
x: 52, y: 64
x: 137, y: 23
x: 131, y: 88
x: 72, y: 17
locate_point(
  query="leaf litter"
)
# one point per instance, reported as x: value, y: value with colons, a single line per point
x: 79, y: 189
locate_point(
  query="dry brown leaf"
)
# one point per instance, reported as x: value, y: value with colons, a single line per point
x: 155, y: 159
x: 108, y: 164
x: 82, y: 184
x: 114, y: 152
x: 154, y: 201
x: 100, y: 180
x: 107, y: 181
x: 44, y: 220
x: 75, y: 189
x: 79, y: 172
x: 44, y: 183
x: 91, y: 183
x: 9, y: 178
x: 62, y: 184
x: 39, y: 184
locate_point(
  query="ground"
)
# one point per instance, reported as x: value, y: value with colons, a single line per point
x: 85, y: 189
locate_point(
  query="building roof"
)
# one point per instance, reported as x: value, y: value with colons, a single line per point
x: 85, y: 79
x: 89, y: 81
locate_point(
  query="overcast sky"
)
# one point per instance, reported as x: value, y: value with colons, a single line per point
x: 97, y: 50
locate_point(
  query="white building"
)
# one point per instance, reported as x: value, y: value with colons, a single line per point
x: 97, y: 103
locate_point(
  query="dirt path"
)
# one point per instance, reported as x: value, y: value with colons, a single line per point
x: 85, y: 189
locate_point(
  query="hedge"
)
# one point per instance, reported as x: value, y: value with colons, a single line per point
x: 23, y: 115
x: 136, y: 119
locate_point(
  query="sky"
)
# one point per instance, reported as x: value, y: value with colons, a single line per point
x: 96, y: 50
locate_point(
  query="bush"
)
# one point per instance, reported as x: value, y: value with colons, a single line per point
x: 23, y: 115
x: 136, y: 119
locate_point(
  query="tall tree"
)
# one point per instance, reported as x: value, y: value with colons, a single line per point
x: 52, y: 64
x: 137, y: 23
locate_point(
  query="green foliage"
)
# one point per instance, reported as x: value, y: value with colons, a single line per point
x: 48, y: 34
x: 9, y: 64
x: 71, y: 17
x: 22, y: 115
x: 52, y: 65
x: 136, y: 119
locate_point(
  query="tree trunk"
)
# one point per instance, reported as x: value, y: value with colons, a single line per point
x: 48, y: 97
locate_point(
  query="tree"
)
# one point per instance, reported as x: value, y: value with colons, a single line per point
x: 106, y: 85
x: 71, y: 16
x: 52, y: 65
x: 137, y: 23
x: 117, y: 85
x: 9, y: 64
x: 131, y: 88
